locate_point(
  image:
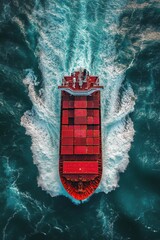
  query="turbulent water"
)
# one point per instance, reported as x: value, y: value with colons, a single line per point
x: 40, y: 42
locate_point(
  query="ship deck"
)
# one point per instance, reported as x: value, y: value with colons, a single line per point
x: 80, y: 143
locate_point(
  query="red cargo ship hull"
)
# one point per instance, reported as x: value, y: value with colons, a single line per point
x: 80, y: 163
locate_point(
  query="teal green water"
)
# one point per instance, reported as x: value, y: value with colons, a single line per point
x: 40, y: 42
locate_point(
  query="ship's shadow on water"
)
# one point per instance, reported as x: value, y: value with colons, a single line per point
x: 40, y: 42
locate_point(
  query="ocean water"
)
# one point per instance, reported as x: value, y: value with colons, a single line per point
x: 40, y: 42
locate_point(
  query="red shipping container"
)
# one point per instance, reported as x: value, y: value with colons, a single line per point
x: 96, y: 120
x: 66, y: 150
x: 65, y: 113
x: 64, y: 120
x: 80, y: 141
x: 80, y: 112
x: 77, y: 120
x: 96, y: 133
x: 77, y: 141
x: 80, y: 120
x: 64, y: 127
x: 71, y: 127
x: 89, y: 141
x: 90, y: 113
x: 67, y: 141
x: 83, y: 141
x: 77, y: 133
x: 84, y: 104
x: 96, y: 104
x: 80, y: 150
x: 83, y: 127
x: 96, y: 150
x: 96, y: 141
x: 80, y: 104
x: 90, y: 104
x: 89, y: 120
x: 67, y: 133
x: 96, y: 113
x: 89, y: 149
x: 65, y: 104
x: 89, y: 133
x: 77, y: 127
x: 83, y: 133
x: 80, y: 133
x: 80, y: 167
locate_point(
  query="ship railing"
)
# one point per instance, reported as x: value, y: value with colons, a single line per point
x: 81, y: 92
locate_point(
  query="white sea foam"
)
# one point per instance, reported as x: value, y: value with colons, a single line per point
x: 42, y: 122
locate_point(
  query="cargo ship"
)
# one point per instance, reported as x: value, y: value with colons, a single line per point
x: 80, y: 152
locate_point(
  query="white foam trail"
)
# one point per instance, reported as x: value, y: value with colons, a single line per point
x: 42, y: 122
x: 42, y: 126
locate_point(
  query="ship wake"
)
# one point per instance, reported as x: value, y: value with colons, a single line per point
x: 60, y: 51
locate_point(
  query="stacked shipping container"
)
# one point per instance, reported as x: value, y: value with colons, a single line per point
x: 80, y: 131
x: 80, y: 164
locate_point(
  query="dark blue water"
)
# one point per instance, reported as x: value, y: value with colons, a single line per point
x: 40, y: 42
